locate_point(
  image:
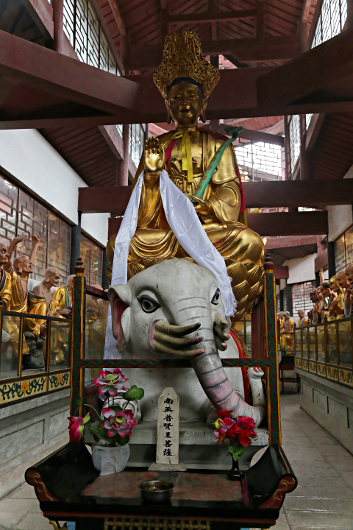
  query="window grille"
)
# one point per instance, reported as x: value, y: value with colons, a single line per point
x: 21, y: 214
x: 136, y: 139
x: 308, y: 120
x: 86, y: 34
x: 92, y: 257
x: 344, y: 250
x: 294, y: 141
x: 301, y: 297
x: 120, y: 129
x: 331, y: 21
x: 260, y: 161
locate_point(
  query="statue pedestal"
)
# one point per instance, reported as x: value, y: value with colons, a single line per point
x: 197, y: 446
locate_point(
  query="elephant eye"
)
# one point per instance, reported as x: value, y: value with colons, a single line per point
x: 215, y: 298
x: 148, y: 304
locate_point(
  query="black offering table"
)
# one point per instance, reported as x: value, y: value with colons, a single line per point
x: 69, y: 488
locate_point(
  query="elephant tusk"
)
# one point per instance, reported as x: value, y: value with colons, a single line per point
x: 176, y: 331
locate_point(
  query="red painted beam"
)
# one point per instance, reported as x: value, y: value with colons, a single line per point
x: 98, y: 199
x: 289, y: 224
x: 280, y: 272
x: 207, y: 17
x: 290, y: 241
x: 272, y: 48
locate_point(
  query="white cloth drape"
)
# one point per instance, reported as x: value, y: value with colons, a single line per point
x: 188, y: 230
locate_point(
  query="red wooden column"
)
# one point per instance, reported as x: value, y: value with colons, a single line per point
x: 305, y: 173
x: 58, y: 17
x: 123, y: 174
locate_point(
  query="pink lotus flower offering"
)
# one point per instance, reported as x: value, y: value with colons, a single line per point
x: 116, y: 422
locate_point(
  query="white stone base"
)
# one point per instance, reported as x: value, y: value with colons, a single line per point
x: 30, y: 431
x: 330, y: 404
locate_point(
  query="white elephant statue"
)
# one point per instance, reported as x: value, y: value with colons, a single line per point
x: 174, y: 309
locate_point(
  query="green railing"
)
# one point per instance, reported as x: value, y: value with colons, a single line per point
x: 326, y: 350
x: 50, y: 352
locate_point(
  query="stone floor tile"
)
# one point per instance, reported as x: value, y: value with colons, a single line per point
x: 334, y: 450
x: 347, y: 476
x: 318, y: 504
x: 13, y: 510
x: 318, y: 520
x: 312, y: 470
x: 322, y: 439
x: 341, y: 463
x: 319, y: 481
x: 34, y: 521
x: 322, y: 491
x: 22, y: 492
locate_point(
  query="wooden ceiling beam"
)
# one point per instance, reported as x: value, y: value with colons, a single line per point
x: 208, y: 16
x: 289, y: 224
x: 286, y: 193
x: 249, y: 49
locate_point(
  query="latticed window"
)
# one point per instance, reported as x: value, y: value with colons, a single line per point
x: 85, y: 33
x: 21, y: 214
x: 136, y: 139
x: 92, y: 256
x: 331, y: 21
x: 294, y: 141
x: 308, y: 120
x: 344, y: 250
x: 260, y: 161
x: 301, y: 297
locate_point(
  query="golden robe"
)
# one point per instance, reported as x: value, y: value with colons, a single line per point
x: 5, y: 289
x: 24, y: 302
x: 61, y: 297
x: 287, y: 335
x: 241, y: 248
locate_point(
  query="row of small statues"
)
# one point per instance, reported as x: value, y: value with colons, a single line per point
x: 15, y: 296
x: 333, y: 299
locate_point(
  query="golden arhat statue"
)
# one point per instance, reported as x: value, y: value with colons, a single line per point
x: 185, y: 80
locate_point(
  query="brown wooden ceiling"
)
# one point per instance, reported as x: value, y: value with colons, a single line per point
x: 332, y: 155
x: 87, y: 152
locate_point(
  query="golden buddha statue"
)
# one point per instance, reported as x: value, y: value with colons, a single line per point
x: 186, y: 80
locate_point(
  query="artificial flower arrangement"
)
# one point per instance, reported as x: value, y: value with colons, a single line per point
x: 116, y: 422
x: 239, y: 431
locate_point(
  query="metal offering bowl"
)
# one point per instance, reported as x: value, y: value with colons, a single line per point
x: 156, y: 490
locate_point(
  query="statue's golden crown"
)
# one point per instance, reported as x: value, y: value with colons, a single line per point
x: 182, y: 57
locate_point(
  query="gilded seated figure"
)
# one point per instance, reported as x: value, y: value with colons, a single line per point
x: 186, y: 80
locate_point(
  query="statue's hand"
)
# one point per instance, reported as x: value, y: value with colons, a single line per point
x: 167, y: 338
x: 35, y: 239
x: 20, y: 238
x: 220, y: 330
x: 202, y: 207
x: 153, y: 156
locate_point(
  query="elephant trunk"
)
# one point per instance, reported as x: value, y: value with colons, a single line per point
x: 208, y: 365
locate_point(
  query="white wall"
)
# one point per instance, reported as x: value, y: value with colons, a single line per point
x: 27, y: 156
x: 339, y: 219
x: 301, y: 269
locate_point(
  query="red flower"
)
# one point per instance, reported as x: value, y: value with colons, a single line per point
x: 110, y: 380
x: 246, y: 422
x: 223, y: 413
x: 245, y: 436
x: 234, y: 431
x: 77, y: 426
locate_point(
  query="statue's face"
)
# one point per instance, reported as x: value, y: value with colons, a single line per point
x: 25, y: 265
x: 342, y: 280
x: 313, y: 297
x: 349, y: 274
x: 185, y: 103
x: 301, y: 313
x: 54, y: 278
x: 4, y: 255
x: 334, y: 287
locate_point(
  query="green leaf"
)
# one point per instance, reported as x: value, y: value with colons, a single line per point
x: 102, y: 432
x: 134, y: 393
x: 122, y: 441
x: 95, y: 437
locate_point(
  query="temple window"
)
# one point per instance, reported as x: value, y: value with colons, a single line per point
x: 331, y: 21
x: 92, y: 256
x: 86, y: 34
x: 260, y: 161
x: 136, y: 140
x: 344, y: 250
x: 20, y: 213
x: 294, y: 141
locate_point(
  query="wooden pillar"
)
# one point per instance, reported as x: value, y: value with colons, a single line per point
x: 105, y: 280
x: 287, y: 148
x: 281, y: 299
x: 261, y: 20
x: 75, y: 244
x: 289, y: 298
x: 331, y: 258
x: 123, y: 175
x: 305, y: 173
x: 349, y: 21
x: 58, y: 18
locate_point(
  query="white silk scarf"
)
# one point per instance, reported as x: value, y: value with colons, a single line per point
x: 191, y: 235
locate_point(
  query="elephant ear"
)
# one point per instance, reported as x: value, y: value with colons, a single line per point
x: 120, y: 300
